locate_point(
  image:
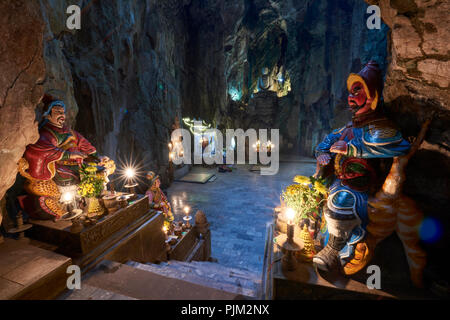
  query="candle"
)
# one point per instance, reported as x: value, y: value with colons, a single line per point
x: 165, y: 232
x: 290, y: 214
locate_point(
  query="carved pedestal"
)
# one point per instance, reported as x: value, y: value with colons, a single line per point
x: 133, y: 233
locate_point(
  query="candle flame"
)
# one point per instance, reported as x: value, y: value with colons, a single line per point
x: 290, y: 214
x: 67, y: 196
x: 129, y: 173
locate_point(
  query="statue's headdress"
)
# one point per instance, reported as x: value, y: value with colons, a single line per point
x: 370, y: 77
x: 49, y: 102
x: 152, y: 177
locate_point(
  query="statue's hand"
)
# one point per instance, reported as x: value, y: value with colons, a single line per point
x: 77, y: 155
x: 324, y: 159
x: 339, y: 147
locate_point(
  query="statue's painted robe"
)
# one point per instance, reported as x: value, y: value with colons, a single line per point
x: 49, y: 157
x: 159, y: 201
x: 349, y: 189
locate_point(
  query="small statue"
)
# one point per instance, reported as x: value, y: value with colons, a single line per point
x: 158, y: 199
x: 356, y: 150
x: 201, y: 223
x: 308, y: 250
x: 264, y: 81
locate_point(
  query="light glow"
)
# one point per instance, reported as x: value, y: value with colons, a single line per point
x: 290, y: 214
x: 67, y: 196
x: 130, y: 173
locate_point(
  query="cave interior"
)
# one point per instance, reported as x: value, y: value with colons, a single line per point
x: 137, y: 70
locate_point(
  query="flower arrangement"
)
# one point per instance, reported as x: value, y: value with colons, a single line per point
x: 92, y: 184
x: 305, y: 197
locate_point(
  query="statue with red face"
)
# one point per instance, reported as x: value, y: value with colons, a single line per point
x: 354, y: 150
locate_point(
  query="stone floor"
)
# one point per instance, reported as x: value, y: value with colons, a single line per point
x: 238, y: 206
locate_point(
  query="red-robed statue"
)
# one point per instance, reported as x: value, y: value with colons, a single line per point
x: 53, y: 162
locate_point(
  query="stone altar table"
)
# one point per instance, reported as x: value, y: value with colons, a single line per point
x: 306, y: 282
x: 134, y: 232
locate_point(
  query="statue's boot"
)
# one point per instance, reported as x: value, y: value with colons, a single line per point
x: 328, y: 258
x: 363, y: 254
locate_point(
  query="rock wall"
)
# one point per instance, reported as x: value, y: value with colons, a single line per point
x: 21, y: 82
x: 120, y: 75
x: 136, y: 65
x: 417, y: 87
x: 311, y: 44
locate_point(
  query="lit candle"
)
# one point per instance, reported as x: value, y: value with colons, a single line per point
x: 67, y: 197
x: 165, y: 232
x: 187, y: 218
x: 290, y: 214
x: 129, y: 173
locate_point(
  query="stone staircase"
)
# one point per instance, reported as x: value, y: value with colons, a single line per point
x: 208, y: 274
x: 174, y: 280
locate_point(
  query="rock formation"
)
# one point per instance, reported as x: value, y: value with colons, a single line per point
x: 120, y: 75
x: 417, y: 87
x: 134, y: 66
x: 21, y: 82
x: 310, y: 44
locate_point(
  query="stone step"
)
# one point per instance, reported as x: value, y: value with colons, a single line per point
x: 185, y: 271
x: 129, y: 281
x: 28, y: 272
x: 204, y: 268
x: 216, y: 266
x: 221, y: 273
x: 225, y: 270
x: 88, y: 292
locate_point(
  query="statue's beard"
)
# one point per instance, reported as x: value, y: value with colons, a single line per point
x: 58, y: 123
x: 354, y: 107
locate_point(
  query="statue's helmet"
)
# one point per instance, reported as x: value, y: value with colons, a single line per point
x: 49, y: 102
x: 372, y: 81
x: 152, y: 176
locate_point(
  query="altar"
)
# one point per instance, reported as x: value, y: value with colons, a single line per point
x: 130, y: 233
x: 306, y: 282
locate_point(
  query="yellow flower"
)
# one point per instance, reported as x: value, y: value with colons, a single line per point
x: 293, y: 189
x: 302, y: 180
x: 91, y: 169
x: 320, y: 188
